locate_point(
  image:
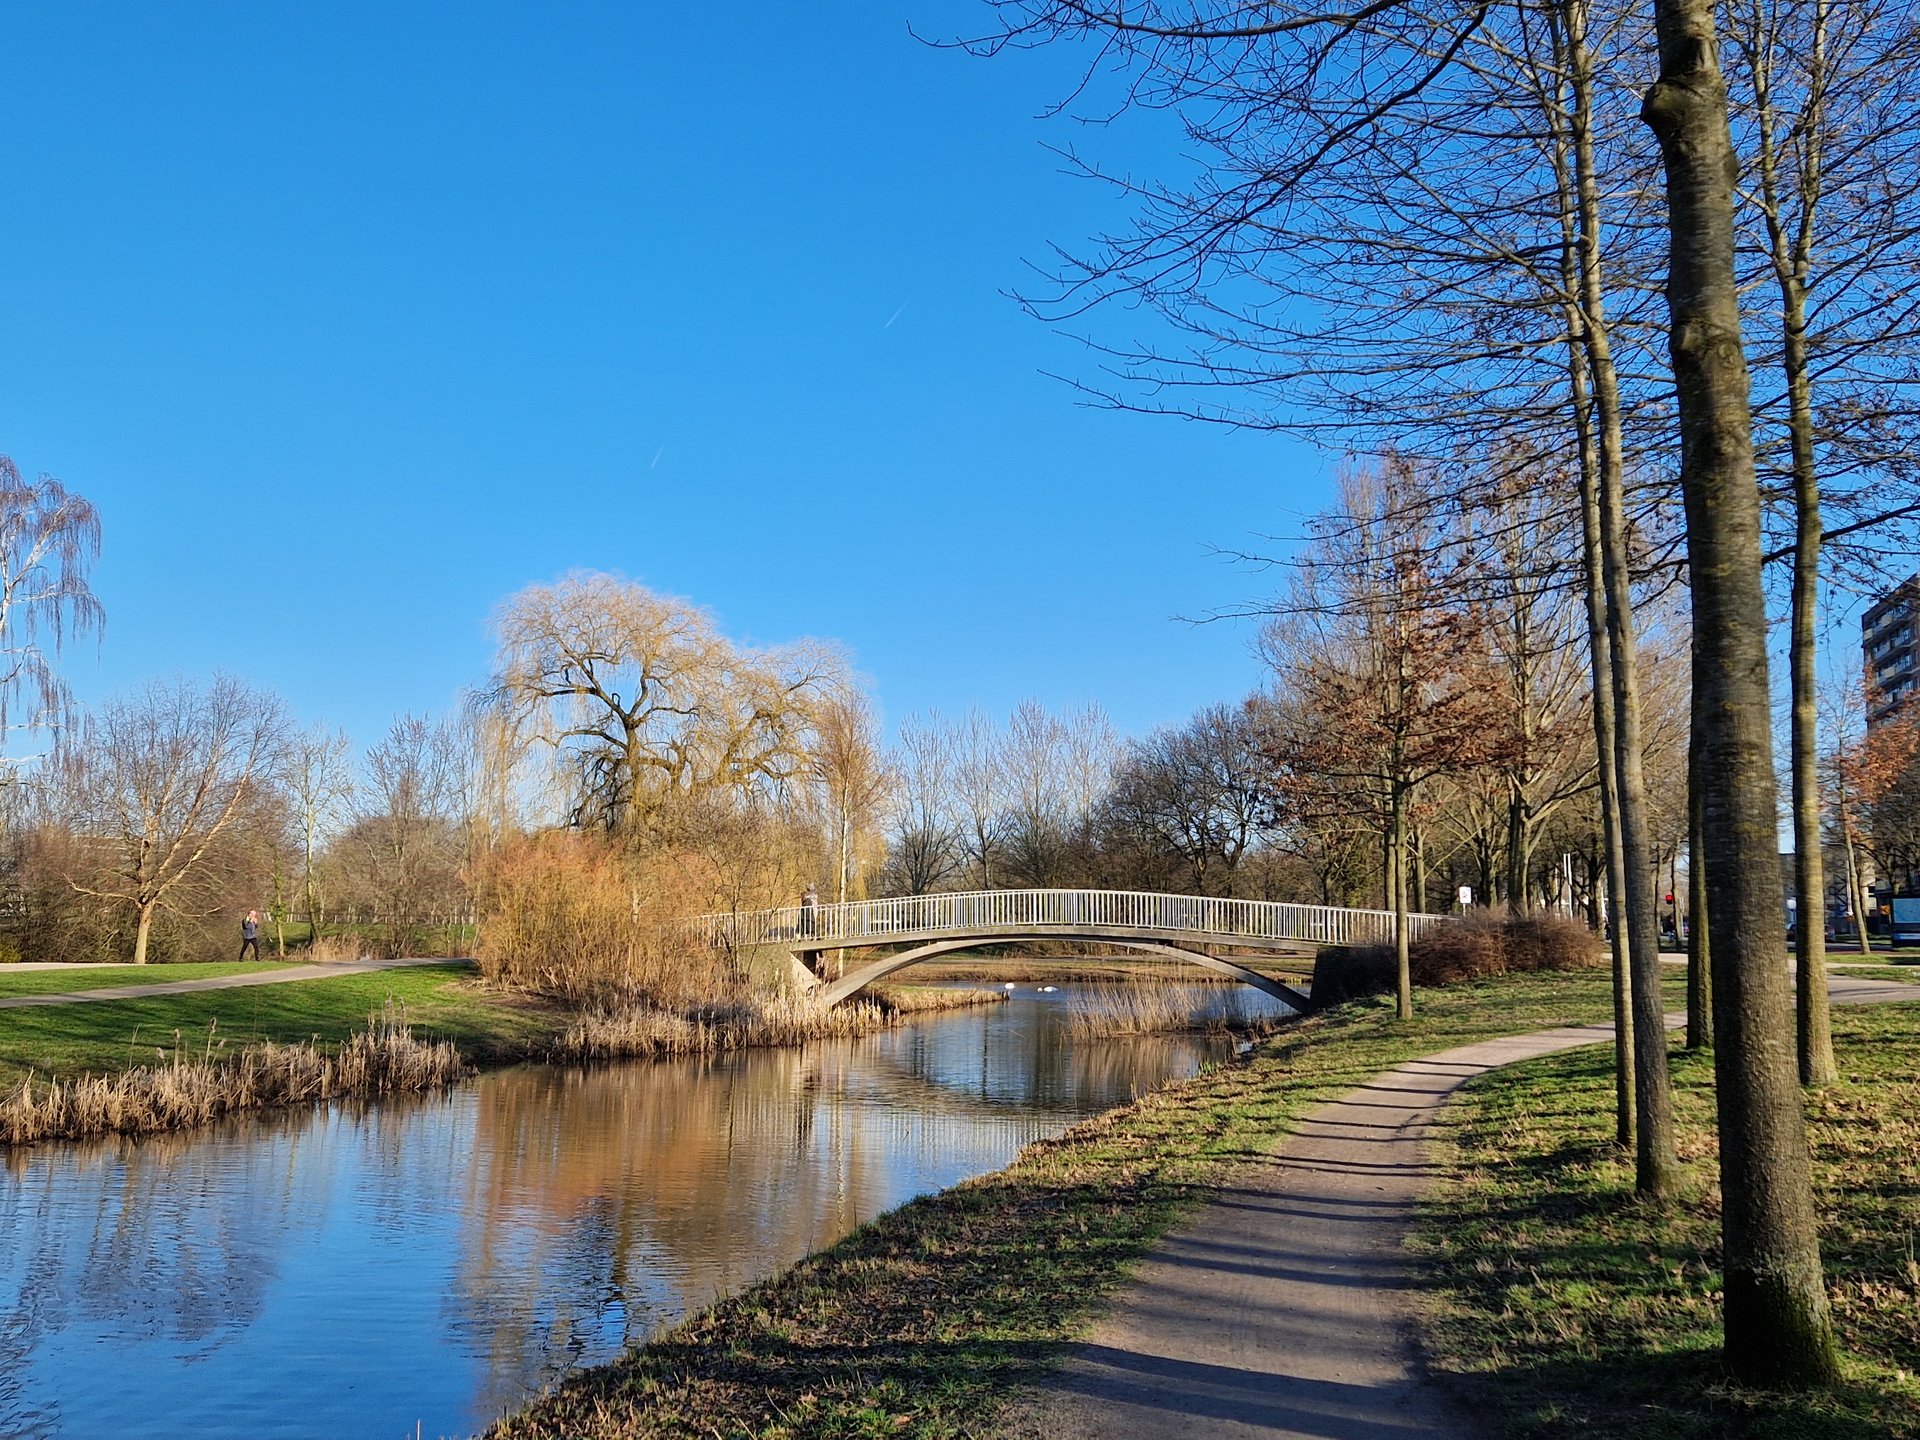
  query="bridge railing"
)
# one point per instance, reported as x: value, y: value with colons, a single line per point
x: 1120, y: 911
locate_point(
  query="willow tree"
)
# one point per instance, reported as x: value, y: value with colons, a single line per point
x: 648, y: 711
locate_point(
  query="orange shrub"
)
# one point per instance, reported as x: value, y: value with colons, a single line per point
x: 582, y: 919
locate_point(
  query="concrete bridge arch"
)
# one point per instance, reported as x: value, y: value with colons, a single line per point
x: 845, y: 988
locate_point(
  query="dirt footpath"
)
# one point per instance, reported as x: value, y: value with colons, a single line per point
x: 1283, y: 1309
x: 263, y: 976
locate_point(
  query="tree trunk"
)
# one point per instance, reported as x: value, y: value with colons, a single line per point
x: 142, y: 931
x: 1856, y: 884
x: 1601, y: 664
x: 1699, y: 927
x: 1572, y: 154
x: 1518, y: 845
x: 1777, y: 1326
x: 1815, y: 1030
x: 1656, y: 1170
x: 1791, y: 257
x: 1417, y: 848
x: 1397, y: 868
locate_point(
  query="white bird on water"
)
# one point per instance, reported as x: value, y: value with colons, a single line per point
x: 1049, y: 989
x: 1009, y: 985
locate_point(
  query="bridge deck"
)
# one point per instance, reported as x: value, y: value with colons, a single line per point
x: 988, y: 915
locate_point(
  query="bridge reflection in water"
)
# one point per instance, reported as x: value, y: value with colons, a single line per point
x: 358, y: 1270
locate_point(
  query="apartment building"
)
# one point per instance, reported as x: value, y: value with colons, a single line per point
x: 1890, y: 642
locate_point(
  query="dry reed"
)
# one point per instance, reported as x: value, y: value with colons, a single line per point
x: 646, y: 1033
x: 921, y: 1000
x: 333, y: 948
x: 1159, y: 1009
x: 384, y: 1059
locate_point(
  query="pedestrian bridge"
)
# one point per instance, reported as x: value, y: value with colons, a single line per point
x: 1184, y: 927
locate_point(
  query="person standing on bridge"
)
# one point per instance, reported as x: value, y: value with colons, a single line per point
x: 809, y: 904
x: 250, y: 934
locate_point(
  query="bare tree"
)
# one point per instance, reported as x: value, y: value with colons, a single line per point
x: 979, y: 789
x: 924, y: 849
x: 318, y: 773
x: 1388, y: 677
x: 1194, y: 794
x: 155, y: 781
x: 1346, y: 79
x: 48, y: 538
x: 847, y: 765
x: 404, y: 849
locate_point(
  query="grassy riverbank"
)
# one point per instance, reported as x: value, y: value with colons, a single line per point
x: 924, y: 1322
x: 165, y: 1061
x: 101, y: 1037
x: 1561, y: 1304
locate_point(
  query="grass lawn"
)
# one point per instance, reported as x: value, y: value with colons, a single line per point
x: 1563, y: 1305
x: 106, y: 1035
x: 924, y: 1322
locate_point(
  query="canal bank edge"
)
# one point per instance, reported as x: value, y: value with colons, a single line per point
x: 159, y: 1060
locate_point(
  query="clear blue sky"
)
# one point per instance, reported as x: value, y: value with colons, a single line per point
x: 354, y: 318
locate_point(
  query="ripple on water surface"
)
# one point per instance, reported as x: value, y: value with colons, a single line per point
x: 360, y: 1270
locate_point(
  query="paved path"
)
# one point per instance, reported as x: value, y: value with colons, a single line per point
x: 263, y: 976
x: 1282, y: 1310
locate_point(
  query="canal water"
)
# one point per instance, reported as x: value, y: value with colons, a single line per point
x: 420, y: 1266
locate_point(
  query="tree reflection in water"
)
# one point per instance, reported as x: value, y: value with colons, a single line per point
x: 359, y: 1270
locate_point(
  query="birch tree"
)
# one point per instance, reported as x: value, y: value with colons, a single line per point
x: 318, y: 773
x: 49, y: 538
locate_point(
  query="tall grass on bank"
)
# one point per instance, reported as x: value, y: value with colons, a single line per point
x: 647, y: 1033
x: 1101, y: 1010
x: 922, y: 999
x: 331, y: 949
x: 187, y: 1089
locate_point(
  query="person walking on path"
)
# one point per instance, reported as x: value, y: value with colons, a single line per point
x: 250, y: 934
x: 809, y: 904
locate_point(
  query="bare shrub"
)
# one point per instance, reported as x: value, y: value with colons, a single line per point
x: 1476, y: 946
x: 188, y: 1089
x: 1468, y: 948
x: 1551, y: 942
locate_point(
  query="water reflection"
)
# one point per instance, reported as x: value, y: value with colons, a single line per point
x: 355, y: 1270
